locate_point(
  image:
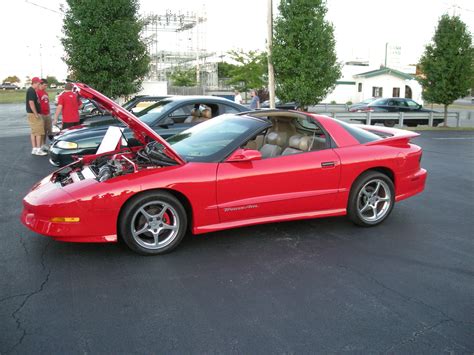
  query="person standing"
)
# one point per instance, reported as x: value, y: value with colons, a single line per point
x: 255, y: 103
x: 33, y: 109
x: 45, y: 112
x: 69, y: 104
x: 237, y: 97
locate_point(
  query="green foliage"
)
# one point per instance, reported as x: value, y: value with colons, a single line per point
x: 103, y: 45
x: 251, y: 72
x: 333, y: 102
x: 11, y: 79
x: 224, y: 70
x: 303, y: 53
x: 52, y: 80
x: 448, y: 62
x: 183, y: 77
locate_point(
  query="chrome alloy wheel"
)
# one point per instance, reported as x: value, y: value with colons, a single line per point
x: 155, y: 225
x: 373, y: 200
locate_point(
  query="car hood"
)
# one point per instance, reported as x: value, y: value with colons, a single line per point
x: 141, y: 130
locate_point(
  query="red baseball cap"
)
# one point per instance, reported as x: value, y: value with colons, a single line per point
x: 35, y: 80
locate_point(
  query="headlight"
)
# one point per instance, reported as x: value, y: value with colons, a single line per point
x: 66, y: 145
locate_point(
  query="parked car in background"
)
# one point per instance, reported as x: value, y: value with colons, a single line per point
x: 167, y: 117
x: 219, y: 175
x: 360, y: 105
x: 9, y: 86
x: 281, y: 105
x: 397, y: 104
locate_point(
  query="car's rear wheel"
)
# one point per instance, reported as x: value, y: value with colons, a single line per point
x: 153, y: 223
x: 371, y: 199
x: 389, y: 123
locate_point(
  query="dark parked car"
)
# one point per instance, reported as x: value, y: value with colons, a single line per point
x: 397, y: 104
x: 167, y: 117
x: 9, y: 86
x: 360, y: 106
x: 281, y: 105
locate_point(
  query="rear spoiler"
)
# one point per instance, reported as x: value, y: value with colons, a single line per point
x: 394, y: 136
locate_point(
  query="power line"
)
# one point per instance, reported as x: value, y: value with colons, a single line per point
x: 44, y: 7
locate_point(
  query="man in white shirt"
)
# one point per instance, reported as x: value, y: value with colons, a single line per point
x: 237, y: 97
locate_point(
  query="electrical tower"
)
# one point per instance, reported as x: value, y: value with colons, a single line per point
x: 175, y: 40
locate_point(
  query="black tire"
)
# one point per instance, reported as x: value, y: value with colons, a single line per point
x: 359, y: 199
x: 141, y: 227
x: 389, y: 123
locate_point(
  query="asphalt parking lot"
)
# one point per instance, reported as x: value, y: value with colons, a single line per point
x: 323, y: 285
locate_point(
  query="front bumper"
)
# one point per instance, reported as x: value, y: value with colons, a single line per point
x: 48, y: 200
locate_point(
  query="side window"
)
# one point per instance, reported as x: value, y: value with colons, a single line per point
x: 228, y: 109
x: 142, y: 105
x: 412, y: 104
x: 180, y: 114
x: 401, y: 103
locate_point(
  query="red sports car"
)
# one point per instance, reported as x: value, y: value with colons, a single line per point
x: 234, y: 170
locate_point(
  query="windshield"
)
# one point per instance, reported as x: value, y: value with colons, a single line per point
x: 214, y: 139
x: 151, y: 114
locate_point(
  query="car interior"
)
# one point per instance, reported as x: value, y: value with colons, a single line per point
x: 199, y: 114
x: 290, y: 133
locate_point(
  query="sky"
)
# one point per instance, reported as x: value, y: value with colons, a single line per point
x: 30, y: 37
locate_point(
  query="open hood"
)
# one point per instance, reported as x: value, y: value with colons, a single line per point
x: 141, y: 131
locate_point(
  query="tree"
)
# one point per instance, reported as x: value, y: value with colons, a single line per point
x: 251, y: 70
x: 11, y: 79
x: 52, y: 80
x: 303, y: 52
x: 183, y: 77
x: 224, y: 69
x: 448, y: 63
x: 103, y: 45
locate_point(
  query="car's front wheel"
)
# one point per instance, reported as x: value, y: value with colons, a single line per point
x: 371, y: 199
x: 153, y: 223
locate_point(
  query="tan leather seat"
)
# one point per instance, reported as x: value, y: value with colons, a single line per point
x: 293, y: 145
x: 195, y: 115
x: 312, y: 143
x: 274, y: 143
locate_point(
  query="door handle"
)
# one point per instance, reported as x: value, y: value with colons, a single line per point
x: 328, y: 164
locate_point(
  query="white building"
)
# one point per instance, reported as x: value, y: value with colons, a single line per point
x: 383, y: 82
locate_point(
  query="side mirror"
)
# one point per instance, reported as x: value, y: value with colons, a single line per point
x: 241, y: 155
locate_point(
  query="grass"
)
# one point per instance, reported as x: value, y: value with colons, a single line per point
x: 439, y: 128
x: 12, y: 96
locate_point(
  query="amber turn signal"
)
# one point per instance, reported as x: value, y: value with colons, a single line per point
x: 65, y: 219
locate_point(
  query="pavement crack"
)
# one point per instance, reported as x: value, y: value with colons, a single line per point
x: 40, y: 289
x: 418, y: 333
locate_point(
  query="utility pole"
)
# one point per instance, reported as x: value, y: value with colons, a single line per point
x: 41, y: 59
x: 271, y: 72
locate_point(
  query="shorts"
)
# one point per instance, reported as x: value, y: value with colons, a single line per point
x: 48, y: 127
x: 36, y: 124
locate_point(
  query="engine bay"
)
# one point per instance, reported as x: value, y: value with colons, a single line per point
x: 111, y: 165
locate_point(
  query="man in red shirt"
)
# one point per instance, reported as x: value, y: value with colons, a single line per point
x: 44, y: 111
x: 69, y: 103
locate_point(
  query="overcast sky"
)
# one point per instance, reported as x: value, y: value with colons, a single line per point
x: 31, y: 29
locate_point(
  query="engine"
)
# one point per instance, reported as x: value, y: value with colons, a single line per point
x: 106, y: 167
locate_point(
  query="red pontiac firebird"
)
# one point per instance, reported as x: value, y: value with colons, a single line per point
x: 230, y: 171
